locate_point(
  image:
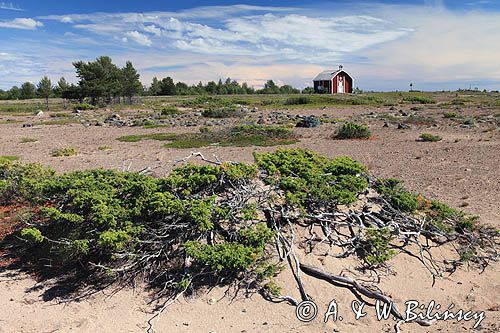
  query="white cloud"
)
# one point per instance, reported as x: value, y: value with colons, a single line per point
x: 153, y: 29
x: 139, y: 38
x: 66, y: 19
x: 10, y: 6
x: 21, y: 23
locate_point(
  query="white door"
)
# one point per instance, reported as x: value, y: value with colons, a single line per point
x: 340, y: 85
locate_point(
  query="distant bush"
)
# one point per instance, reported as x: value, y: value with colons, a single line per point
x: 426, y: 137
x: 297, y: 100
x: 419, y: 100
x: 450, y: 115
x: 69, y: 151
x: 350, y: 130
x: 169, y: 111
x: 83, y: 107
x: 223, y: 112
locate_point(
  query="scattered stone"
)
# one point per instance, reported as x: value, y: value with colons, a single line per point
x: 403, y: 126
x: 39, y: 113
x: 27, y: 125
x: 212, y: 301
x: 386, y: 124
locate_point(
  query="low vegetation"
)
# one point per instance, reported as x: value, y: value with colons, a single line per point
x: 225, y: 222
x: 350, y: 130
x: 238, y: 136
x: 67, y: 151
x: 28, y: 140
x: 427, y: 137
x: 419, y: 100
x: 4, y: 158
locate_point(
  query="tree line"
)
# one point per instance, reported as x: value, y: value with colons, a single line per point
x: 102, y: 82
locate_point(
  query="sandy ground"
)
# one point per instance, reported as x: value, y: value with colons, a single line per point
x: 461, y: 170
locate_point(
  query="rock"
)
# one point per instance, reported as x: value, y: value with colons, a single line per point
x: 212, y: 301
x: 99, y: 123
x: 309, y: 122
x: 386, y: 124
x: 39, y: 113
x: 198, y: 114
x: 77, y: 111
x: 261, y: 121
x: 404, y: 114
x: 403, y: 126
x: 255, y: 109
x: 27, y: 125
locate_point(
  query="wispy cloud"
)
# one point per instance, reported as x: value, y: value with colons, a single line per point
x: 138, y: 37
x: 383, y: 46
x: 245, y: 30
x: 21, y: 23
x: 10, y: 6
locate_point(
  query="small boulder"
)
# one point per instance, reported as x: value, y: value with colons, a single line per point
x: 403, y: 126
x: 309, y: 122
x: 39, y: 113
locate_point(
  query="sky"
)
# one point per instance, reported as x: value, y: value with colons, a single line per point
x: 384, y: 45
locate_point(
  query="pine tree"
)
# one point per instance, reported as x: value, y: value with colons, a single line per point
x: 130, y: 81
x: 44, y: 89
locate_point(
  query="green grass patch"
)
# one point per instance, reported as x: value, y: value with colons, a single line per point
x: 154, y: 136
x: 8, y: 158
x: 239, y: 136
x: 28, y: 140
x: 427, y: 137
x: 68, y: 151
x: 419, y: 100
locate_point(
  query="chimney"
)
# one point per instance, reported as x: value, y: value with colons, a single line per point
x: 340, y: 67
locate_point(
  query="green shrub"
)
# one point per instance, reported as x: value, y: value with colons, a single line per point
x: 353, y: 131
x: 22, y: 181
x: 169, y: 111
x: 83, y: 106
x: 378, y: 242
x: 296, y: 100
x: 426, y: 137
x: 309, y: 179
x: 225, y: 257
x: 273, y: 289
x: 32, y: 235
x: 68, y: 151
x: 394, y: 190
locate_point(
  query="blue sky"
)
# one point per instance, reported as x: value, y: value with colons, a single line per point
x: 385, y: 45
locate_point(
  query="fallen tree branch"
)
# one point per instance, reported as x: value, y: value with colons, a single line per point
x: 350, y: 283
